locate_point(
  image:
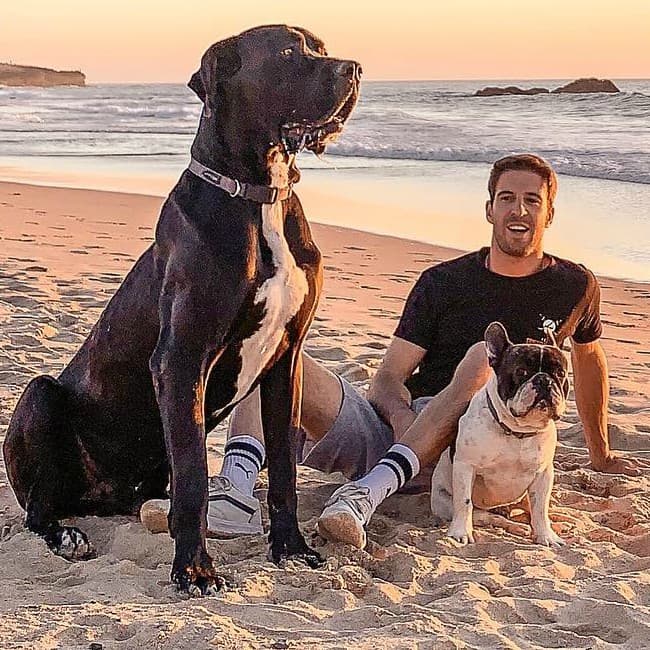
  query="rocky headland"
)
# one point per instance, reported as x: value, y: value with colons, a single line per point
x: 27, y: 75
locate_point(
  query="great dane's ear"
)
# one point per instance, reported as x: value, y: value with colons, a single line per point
x: 220, y: 62
x: 313, y: 42
x: 496, y: 342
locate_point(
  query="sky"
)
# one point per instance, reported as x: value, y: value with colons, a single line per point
x: 162, y: 41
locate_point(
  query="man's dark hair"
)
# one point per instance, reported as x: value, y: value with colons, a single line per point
x: 524, y: 162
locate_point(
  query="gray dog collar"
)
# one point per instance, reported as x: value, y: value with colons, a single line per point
x: 235, y: 188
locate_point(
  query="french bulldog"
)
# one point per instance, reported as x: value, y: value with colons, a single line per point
x: 506, y: 439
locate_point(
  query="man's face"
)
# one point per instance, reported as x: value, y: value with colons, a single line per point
x: 519, y: 213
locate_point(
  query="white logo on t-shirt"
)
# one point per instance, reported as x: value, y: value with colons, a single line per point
x: 549, y: 327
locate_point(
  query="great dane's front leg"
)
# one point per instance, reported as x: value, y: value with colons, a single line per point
x: 179, y: 367
x: 281, y: 396
x: 539, y: 494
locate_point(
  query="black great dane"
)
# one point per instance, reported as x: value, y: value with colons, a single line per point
x: 220, y: 303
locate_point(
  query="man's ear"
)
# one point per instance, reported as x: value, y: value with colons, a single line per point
x: 496, y: 342
x: 488, y: 211
x: 551, y: 214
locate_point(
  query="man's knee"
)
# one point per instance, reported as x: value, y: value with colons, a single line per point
x: 472, y: 373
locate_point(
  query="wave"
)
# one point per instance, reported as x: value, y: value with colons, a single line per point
x: 633, y: 167
x: 598, y: 136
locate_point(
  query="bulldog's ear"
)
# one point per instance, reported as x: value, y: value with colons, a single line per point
x: 496, y: 342
x: 220, y: 62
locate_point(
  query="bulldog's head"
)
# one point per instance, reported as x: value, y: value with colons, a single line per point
x: 271, y: 86
x: 532, y: 380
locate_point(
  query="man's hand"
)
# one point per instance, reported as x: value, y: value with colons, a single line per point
x: 401, y: 421
x: 387, y: 393
x: 615, y: 464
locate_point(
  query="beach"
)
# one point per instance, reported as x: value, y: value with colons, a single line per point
x: 64, y: 252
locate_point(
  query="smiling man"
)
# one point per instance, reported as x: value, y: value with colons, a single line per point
x: 434, y: 365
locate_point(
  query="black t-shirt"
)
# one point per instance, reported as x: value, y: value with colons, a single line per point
x: 452, y: 303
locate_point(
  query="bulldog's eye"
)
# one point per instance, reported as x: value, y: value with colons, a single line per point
x: 521, y: 373
x: 288, y: 51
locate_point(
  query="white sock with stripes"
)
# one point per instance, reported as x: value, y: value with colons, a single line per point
x: 243, y: 461
x: 397, y: 467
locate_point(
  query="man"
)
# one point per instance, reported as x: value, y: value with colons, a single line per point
x: 434, y: 365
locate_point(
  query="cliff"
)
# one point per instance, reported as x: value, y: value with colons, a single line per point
x: 27, y: 75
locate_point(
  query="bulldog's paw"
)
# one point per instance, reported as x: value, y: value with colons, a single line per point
x: 197, y: 577
x: 461, y: 534
x: 293, y: 548
x: 70, y: 543
x: 548, y: 537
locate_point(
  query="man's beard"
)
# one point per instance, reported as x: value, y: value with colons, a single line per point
x: 514, y: 249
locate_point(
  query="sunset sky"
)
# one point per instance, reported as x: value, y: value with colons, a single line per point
x: 159, y: 40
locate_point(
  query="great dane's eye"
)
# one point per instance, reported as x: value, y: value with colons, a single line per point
x: 288, y: 51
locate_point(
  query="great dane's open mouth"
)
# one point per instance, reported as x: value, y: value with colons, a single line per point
x: 315, y: 136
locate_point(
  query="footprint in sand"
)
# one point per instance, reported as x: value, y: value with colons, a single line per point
x: 22, y: 302
x: 323, y: 331
x: 343, y: 298
x: 400, y: 279
x: 327, y: 354
x: 375, y: 345
x: 353, y: 372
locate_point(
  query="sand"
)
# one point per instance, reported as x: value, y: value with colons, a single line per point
x: 62, y: 255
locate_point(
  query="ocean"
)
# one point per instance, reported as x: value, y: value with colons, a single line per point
x: 423, y: 143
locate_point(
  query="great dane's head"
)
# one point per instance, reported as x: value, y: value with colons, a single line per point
x: 532, y: 379
x: 271, y: 86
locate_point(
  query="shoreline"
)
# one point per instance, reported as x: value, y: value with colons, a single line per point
x: 65, y: 252
x: 433, y: 202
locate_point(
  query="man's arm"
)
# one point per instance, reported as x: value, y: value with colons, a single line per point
x: 592, y: 397
x: 387, y: 392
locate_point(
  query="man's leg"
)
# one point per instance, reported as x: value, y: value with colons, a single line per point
x: 351, y: 506
x: 232, y: 508
x: 321, y: 401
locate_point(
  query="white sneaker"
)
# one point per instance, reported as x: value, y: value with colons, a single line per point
x: 346, y: 514
x: 230, y: 511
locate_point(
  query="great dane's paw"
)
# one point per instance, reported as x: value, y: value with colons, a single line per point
x: 295, y: 549
x: 193, y: 574
x: 548, y: 537
x: 70, y: 543
x: 461, y: 535
x: 197, y: 578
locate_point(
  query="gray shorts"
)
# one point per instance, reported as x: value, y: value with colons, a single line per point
x: 358, y: 439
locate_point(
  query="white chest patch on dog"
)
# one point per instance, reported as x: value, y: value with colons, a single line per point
x: 282, y: 294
